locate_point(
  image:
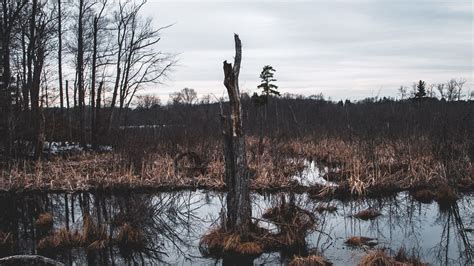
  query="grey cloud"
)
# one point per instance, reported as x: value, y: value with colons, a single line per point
x: 346, y: 49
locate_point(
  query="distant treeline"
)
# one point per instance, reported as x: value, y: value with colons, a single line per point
x: 371, y: 119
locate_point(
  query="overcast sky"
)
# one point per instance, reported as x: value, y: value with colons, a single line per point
x: 344, y: 49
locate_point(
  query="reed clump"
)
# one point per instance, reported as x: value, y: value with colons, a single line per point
x: 62, y: 238
x: 381, y: 258
x: 130, y: 236
x: 311, y: 260
x: 423, y: 195
x: 403, y: 258
x: 93, y: 236
x: 45, y: 220
x: 446, y: 195
x: 367, y: 214
x: 293, y: 225
x: 218, y: 242
x: 377, y: 258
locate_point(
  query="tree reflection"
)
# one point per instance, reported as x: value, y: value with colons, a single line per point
x: 138, y: 228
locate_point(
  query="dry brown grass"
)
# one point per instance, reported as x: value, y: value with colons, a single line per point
x: 249, y: 249
x: 363, y: 168
x: 93, y: 236
x: 45, y: 220
x: 218, y: 242
x: 398, y: 165
x: 376, y: 258
x: 424, y: 195
x: 61, y: 238
x: 381, y: 258
x: 212, y: 242
x: 446, y: 195
x: 367, y: 214
x: 130, y: 236
x: 403, y: 259
x: 311, y: 260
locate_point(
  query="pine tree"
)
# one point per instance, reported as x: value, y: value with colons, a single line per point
x: 421, y: 89
x: 268, y: 88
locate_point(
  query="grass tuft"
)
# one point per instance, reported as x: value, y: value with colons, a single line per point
x: 45, y: 220
x: 311, y: 260
x: 367, y: 214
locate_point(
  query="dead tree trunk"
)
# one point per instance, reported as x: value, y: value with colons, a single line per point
x: 239, y: 209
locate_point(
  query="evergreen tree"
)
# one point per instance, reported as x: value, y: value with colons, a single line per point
x: 421, y: 89
x: 268, y: 88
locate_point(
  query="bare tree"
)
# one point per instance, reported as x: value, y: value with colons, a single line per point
x: 459, y: 85
x: 148, y: 101
x: 10, y: 11
x: 451, y: 90
x: 185, y: 96
x: 403, y: 91
x: 60, y: 55
x: 138, y: 61
x: 239, y: 209
x: 95, y: 105
x: 441, y: 89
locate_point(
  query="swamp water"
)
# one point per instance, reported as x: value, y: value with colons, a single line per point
x: 169, y: 225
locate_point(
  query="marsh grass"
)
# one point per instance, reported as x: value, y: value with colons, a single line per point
x: 363, y: 168
x: 376, y: 258
x: 367, y: 214
x: 45, y: 220
x: 311, y: 260
x: 217, y: 243
x: 423, y: 195
x: 381, y: 258
x: 292, y: 222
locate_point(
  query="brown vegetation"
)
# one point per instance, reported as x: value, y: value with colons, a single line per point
x: 381, y: 258
x: 376, y: 258
x: 446, y: 195
x: 311, y: 260
x: 423, y: 195
x: 92, y: 236
x: 45, y: 220
x: 61, y: 238
x: 361, y: 241
x: 402, y: 258
x: 367, y: 214
x: 293, y: 225
x: 218, y: 242
x: 390, y: 166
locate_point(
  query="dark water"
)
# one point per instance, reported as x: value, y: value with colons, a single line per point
x: 171, y: 224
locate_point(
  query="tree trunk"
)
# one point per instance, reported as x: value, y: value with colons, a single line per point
x: 93, y: 81
x: 239, y: 209
x: 60, y: 67
x: 80, y: 74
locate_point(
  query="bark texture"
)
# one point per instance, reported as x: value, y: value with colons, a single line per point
x: 237, y: 174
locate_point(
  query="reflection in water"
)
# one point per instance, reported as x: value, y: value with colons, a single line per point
x: 166, y: 227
